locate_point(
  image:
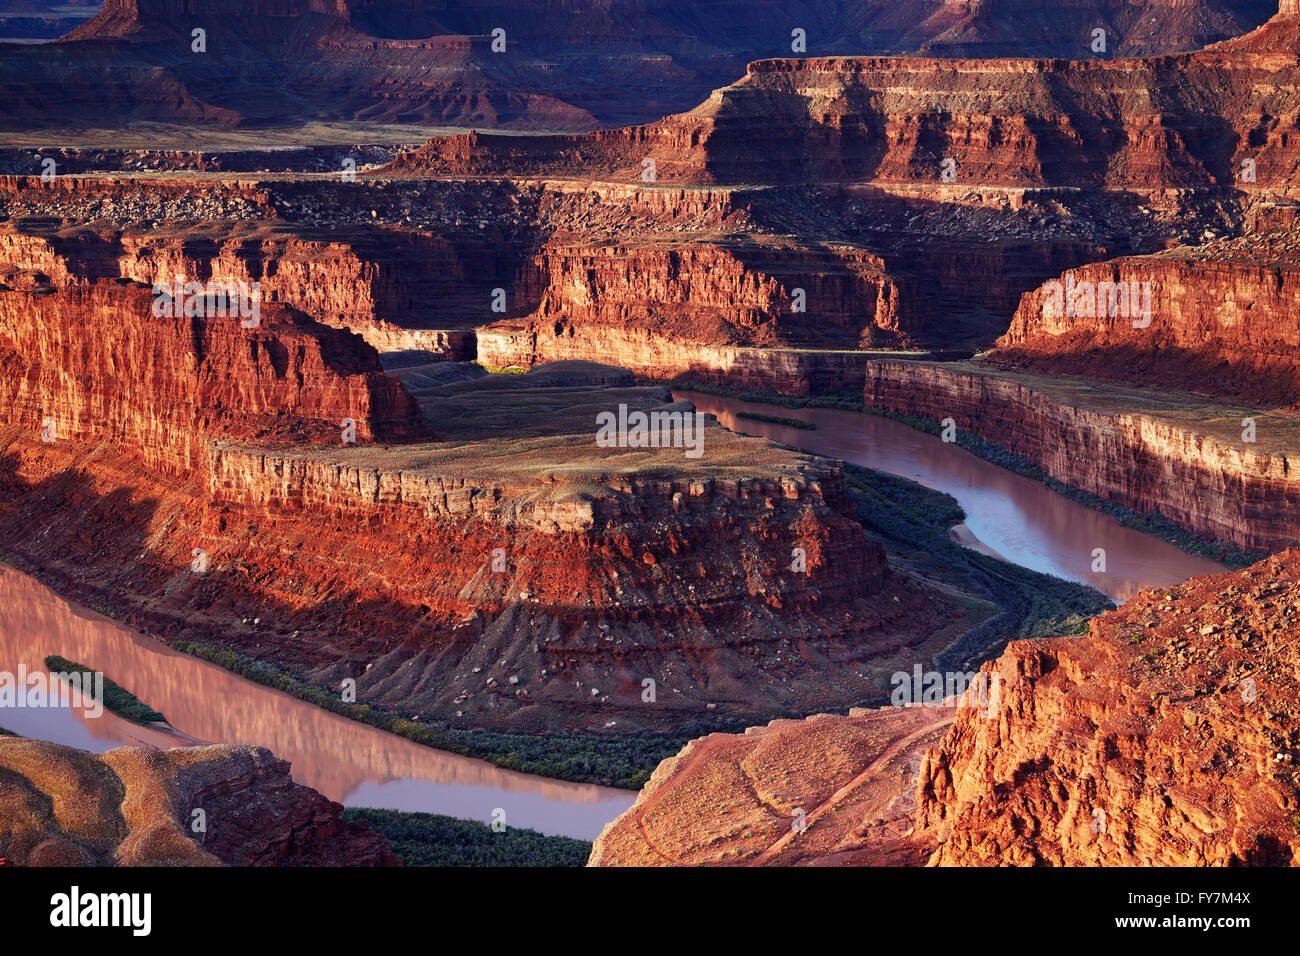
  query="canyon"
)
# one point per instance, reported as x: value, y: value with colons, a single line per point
x: 1167, y: 452
x: 541, y: 579
x: 391, y: 489
x: 1164, y: 737
x: 573, y: 64
x: 1017, y: 123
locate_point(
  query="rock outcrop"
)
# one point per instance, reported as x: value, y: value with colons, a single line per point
x: 1179, y: 121
x: 566, y: 64
x: 360, y: 283
x: 135, y: 807
x: 1220, y: 318
x: 1178, y: 456
x: 93, y: 362
x: 1164, y: 737
x: 514, y: 574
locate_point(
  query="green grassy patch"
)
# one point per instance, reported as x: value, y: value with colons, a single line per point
x: 7, y: 733
x: 116, y: 698
x: 429, y: 839
x: 914, y: 521
x: 777, y: 420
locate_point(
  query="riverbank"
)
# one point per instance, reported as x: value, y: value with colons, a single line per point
x: 1149, y: 523
x: 347, y: 760
x: 1002, y: 607
x: 429, y: 839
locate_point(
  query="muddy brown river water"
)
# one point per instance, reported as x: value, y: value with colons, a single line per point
x: 1013, y: 517
x: 355, y: 764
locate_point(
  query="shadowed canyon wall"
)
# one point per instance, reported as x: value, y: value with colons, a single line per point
x: 1222, y: 319
x: 1203, y: 481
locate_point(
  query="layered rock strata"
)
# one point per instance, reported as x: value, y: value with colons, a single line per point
x: 1180, y: 457
x: 136, y: 807
x: 561, y: 65
x: 514, y: 574
x: 1179, y: 121
x: 164, y: 386
x: 1220, y: 318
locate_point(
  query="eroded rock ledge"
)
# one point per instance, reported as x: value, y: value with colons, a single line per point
x: 135, y: 807
x: 1168, y: 736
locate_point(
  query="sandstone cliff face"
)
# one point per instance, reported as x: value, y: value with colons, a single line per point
x: 703, y: 311
x: 569, y: 65
x: 1165, y: 737
x: 516, y: 575
x: 758, y: 293
x: 135, y: 807
x: 359, y: 285
x: 95, y: 360
x: 1223, y: 320
x: 1196, y: 476
x: 589, y: 270
x: 783, y: 371
x: 1129, y: 124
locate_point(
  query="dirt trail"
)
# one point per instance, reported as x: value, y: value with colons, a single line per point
x: 886, y: 755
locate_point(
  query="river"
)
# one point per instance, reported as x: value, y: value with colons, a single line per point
x: 1007, y: 515
x: 347, y: 761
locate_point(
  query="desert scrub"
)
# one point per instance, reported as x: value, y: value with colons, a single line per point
x: 777, y: 420
x: 430, y: 839
x: 914, y: 521
x: 116, y: 698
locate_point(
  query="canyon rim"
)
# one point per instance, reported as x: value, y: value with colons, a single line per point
x: 499, y: 434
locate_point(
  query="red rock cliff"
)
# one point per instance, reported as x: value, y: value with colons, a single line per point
x: 95, y: 359
x: 1138, y: 124
x: 1192, y: 468
x: 135, y: 807
x: 1223, y: 319
x: 1164, y: 737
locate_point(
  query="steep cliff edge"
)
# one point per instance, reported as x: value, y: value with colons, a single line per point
x: 1178, y: 121
x: 515, y: 574
x: 136, y: 807
x: 1165, y: 737
x: 1220, y: 318
x: 1181, y: 456
x: 164, y: 386
x: 568, y: 64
